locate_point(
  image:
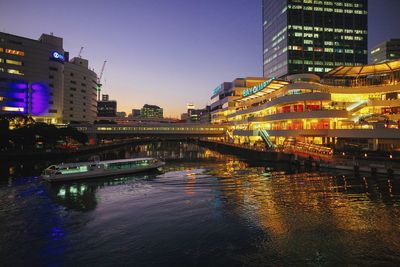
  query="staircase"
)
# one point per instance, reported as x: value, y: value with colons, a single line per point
x: 265, y: 136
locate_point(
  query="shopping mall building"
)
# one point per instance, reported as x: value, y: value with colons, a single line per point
x: 350, y: 107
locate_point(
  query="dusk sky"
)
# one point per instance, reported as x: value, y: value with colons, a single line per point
x: 164, y: 52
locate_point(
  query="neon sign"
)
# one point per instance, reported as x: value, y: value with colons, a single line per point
x: 57, y: 56
x: 257, y: 88
x: 216, y: 90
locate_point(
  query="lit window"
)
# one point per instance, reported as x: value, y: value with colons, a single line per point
x: 1, y: 49
x: 16, y: 72
x: 15, y: 52
x: 15, y: 109
x: 13, y: 62
x: 1, y: 60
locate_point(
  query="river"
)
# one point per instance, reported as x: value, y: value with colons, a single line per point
x: 205, y: 209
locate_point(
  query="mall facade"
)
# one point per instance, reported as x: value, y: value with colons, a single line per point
x: 350, y: 107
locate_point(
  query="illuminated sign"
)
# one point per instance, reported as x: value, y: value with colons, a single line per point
x: 57, y: 56
x: 257, y: 88
x: 216, y: 90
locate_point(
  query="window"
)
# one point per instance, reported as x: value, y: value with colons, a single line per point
x: 15, y: 52
x: 15, y: 72
x: 53, y: 69
x: 13, y: 62
x: 53, y: 111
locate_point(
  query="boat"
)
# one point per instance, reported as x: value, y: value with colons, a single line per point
x: 95, y: 169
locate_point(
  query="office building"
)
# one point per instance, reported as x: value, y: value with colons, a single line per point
x: 37, y: 79
x: 80, y: 103
x: 106, y: 108
x: 31, y: 76
x: 387, y: 51
x: 135, y: 113
x: 313, y: 36
x: 151, y: 111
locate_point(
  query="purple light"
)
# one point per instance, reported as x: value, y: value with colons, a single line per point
x: 40, y: 99
x: 21, y: 86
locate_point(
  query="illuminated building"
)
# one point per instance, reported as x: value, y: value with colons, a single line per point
x: 106, y: 108
x: 197, y: 115
x: 387, y: 51
x: 37, y: 79
x: 151, y: 111
x: 313, y: 36
x: 80, y: 103
x: 31, y: 76
x: 224, y: 95
x: 352, y: 106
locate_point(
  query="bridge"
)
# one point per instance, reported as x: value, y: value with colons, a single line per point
x: 171, y: 130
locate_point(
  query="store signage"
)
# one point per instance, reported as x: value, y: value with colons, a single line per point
x: 216, y: 90
x: 257, y: 88
x: 57, y: 56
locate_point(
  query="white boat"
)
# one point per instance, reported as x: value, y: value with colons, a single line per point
x: 86, y: 170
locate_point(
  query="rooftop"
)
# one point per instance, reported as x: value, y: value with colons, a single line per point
x: 373, y: 69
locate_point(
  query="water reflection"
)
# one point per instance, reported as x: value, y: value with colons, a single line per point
x: 205, y: 210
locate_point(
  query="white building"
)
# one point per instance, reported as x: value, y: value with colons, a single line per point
x: 80, y: 93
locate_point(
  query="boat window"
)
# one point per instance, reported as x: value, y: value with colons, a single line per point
x: 74, y: 169
x: 128, y: 165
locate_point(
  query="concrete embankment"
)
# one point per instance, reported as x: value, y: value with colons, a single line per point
x: 246, y: 152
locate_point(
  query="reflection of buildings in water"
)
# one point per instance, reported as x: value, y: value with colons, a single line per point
x: 281, y: 204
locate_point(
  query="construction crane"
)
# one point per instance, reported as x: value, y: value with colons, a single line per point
x: 80, y: 52
x: 99, y: 80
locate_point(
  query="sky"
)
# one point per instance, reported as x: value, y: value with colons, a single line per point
x: 164, y: 52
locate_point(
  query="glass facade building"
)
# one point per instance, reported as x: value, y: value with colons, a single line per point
x: 313, y: 36
x: 387, y: 51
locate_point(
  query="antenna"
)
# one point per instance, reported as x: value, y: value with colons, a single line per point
x: 80, y: 52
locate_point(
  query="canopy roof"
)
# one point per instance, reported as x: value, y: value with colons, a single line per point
x: 270, y: 86
x: 373, y: 69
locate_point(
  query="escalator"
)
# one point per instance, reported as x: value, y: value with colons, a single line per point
x: 265, y: 136
x: 357, y: 106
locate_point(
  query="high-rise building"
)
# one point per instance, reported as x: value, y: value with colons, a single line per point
x: 387, y: 51
x: 151, y: 111
x: 313, y: 36
x: 80, y: 103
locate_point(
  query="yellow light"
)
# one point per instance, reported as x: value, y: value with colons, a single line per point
x: 13, y: 109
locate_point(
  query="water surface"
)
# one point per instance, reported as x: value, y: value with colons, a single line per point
x: 206, y: 209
